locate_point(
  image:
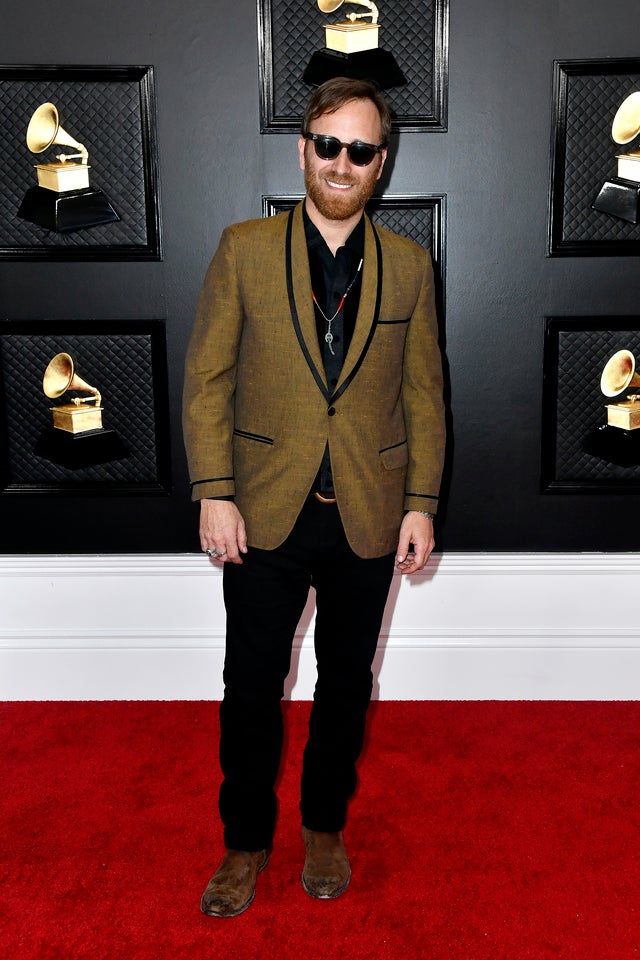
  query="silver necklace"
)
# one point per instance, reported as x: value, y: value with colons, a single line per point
x: 329, y: 320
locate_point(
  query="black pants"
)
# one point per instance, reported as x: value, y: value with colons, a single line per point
x: 264, y: 599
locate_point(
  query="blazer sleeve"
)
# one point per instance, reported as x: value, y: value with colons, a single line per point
x: 210, y: 376
x: 422, y: 397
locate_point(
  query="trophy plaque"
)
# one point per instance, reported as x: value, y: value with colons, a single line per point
x: 352, y: 49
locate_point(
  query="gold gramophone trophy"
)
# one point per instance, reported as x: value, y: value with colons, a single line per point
x: 620, y: 196
x: 618, y: 440
x: 64, y: 199
x: 352, y: 49
x: 76, y: 438
x: 353, y: 34
x: 81, y: 414
x: 619, y: 374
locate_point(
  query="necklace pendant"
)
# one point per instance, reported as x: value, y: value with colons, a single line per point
x: 329, y: 339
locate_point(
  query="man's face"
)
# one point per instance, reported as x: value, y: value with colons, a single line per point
x: 338, y: 188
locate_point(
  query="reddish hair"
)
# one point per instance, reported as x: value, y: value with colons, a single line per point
x: 333, y: 94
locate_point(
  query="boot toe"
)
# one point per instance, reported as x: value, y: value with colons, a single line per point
x: 232, y: 887
x: 326, y: 872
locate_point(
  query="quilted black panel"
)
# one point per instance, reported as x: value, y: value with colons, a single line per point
x: 133, y: 389
x: 585, y: 156
x: 579, y: 355
x: 110, y: 113
x: 416, y: 33
x: 419, y: 223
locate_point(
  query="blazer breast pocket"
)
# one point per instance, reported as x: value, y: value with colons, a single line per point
x: 388, y: 345
x: 385, y: 323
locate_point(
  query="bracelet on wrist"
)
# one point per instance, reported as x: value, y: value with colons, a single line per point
x: 429, y: 516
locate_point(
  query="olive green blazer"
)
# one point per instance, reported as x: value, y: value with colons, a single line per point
x: 257, y: 408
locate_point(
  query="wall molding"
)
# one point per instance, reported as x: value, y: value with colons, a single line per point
x: 470, y: 626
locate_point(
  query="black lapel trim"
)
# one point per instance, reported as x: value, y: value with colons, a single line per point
x: 294, y: 312
x: 376, y: 314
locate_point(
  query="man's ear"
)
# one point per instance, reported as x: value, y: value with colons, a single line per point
x: 301, y: 146
x: 383, y: 157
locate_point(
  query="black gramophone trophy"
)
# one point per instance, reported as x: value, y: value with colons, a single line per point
x: 620, y: 196
x: 351, y: 49
x: 64, y: 199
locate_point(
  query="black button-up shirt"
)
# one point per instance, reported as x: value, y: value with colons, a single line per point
x: 330, y: 278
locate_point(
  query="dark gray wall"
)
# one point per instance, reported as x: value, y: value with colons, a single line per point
x: 493, y: 165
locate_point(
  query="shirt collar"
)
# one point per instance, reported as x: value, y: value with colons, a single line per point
x: 315, y: 241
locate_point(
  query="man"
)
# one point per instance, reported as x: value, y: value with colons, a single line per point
x: 313, y: 422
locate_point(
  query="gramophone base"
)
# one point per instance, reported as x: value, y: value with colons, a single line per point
x: 378, y: 65
x: 77, y: 450
x: 619, y: 198
x: 64, y: 212
x: 614, y: 445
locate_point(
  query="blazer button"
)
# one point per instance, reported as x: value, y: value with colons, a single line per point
x: 331, y: 411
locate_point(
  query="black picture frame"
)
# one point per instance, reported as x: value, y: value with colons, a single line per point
x: 126, y: 361
x: 421, y: 218
x: 581, y: 453
x: 111, y: 110
x: 415, y: 33
x: 586, y: 97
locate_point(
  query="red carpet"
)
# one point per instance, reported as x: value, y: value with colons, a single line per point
x: 480, y: 831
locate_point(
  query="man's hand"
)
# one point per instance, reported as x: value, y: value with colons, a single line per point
x: 416, y: 532
x: 222, y: 530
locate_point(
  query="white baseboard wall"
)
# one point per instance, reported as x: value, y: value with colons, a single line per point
x: 472, y: 626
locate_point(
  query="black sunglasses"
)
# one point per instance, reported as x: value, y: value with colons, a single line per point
x: 327, y: 148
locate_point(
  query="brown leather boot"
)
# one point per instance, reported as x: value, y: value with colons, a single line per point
x: 232, y: 887
x: 326, y: 872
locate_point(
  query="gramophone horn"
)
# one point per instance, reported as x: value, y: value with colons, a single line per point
x: 60, y: 376
x: 328, y: 6
x: 44, y: 129
x: 619, y: 373
x: 626, y: 123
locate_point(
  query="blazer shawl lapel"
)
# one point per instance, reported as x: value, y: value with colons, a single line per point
x: 301, y: 303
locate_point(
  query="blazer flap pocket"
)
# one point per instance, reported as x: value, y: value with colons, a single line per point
x: 395, y: 456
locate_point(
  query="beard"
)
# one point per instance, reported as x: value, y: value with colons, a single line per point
x: 340, y: 206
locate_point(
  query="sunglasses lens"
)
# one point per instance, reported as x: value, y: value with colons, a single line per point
x: 361, y: 154
x: 327, y: 148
